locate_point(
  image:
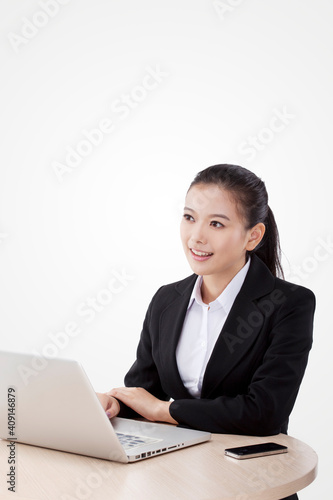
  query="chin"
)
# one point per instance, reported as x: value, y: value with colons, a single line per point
x: 200, y: 269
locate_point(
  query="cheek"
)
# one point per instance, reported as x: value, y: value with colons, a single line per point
x: 229, y: 240
x: 183, y: 232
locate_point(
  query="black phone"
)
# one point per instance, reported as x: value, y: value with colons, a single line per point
x: 255, y: 450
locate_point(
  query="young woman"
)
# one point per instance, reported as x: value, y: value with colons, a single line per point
x: 230, y: 343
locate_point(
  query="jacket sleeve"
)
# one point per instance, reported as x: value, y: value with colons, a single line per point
x: 271, y: 395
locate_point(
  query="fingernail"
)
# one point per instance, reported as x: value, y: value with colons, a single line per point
x: 108, y: 413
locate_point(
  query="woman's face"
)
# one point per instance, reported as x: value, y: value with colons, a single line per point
x: 213, y: 234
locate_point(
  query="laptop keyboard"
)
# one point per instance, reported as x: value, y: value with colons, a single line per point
x: 129, y: 441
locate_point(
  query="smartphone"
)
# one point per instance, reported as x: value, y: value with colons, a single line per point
x: 255, y: 450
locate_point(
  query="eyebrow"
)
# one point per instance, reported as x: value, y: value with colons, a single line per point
x: 222, y: 216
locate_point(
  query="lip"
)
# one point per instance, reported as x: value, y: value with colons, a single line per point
x: 199, y: 257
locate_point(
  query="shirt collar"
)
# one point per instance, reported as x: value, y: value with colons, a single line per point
x: 227, y: 297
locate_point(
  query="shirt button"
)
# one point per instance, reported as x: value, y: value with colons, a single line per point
x: 203, y: 344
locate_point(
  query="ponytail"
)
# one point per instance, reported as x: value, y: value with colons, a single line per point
x: 269, y: 250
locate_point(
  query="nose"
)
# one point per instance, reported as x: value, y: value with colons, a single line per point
x: 198, y: 235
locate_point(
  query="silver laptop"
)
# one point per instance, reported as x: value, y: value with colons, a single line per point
x: 50, y: 402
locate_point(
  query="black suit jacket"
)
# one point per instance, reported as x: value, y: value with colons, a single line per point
x: 255, y: 370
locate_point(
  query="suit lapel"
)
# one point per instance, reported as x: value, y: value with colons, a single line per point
x: 241, y: 328
x: 171, y: 324
x: 238, y: 334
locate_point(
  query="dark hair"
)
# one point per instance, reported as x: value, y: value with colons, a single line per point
x: 251, y: 199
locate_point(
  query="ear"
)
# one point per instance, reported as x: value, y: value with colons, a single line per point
x: 255, y: 236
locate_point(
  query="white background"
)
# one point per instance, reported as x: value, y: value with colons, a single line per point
x: 226, y: 73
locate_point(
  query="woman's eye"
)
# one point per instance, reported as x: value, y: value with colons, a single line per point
x: 216, y: 223
x: 188, y: 217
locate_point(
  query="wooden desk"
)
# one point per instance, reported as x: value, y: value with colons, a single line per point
x: 200, y: 472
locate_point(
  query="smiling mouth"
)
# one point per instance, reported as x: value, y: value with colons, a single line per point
x: 201, y: 254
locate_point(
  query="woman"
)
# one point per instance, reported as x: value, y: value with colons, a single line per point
x: 230, y: 343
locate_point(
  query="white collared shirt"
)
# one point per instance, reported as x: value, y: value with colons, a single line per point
x: 202, y: 326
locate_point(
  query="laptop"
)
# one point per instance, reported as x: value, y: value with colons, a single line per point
x: 50, y: 402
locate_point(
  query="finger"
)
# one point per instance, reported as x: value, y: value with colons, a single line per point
x: 109, y: 392
x: 114, y: 408
x: 117, y: 393
x: 112, y: 412
x: 110, y: 405
x: 104, y: 400
x: 121, y: 389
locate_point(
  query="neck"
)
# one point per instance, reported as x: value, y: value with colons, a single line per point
x: 213, y: 284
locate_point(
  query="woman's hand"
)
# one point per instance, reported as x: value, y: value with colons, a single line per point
x: 144, y: 403
x: 111, y: 405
